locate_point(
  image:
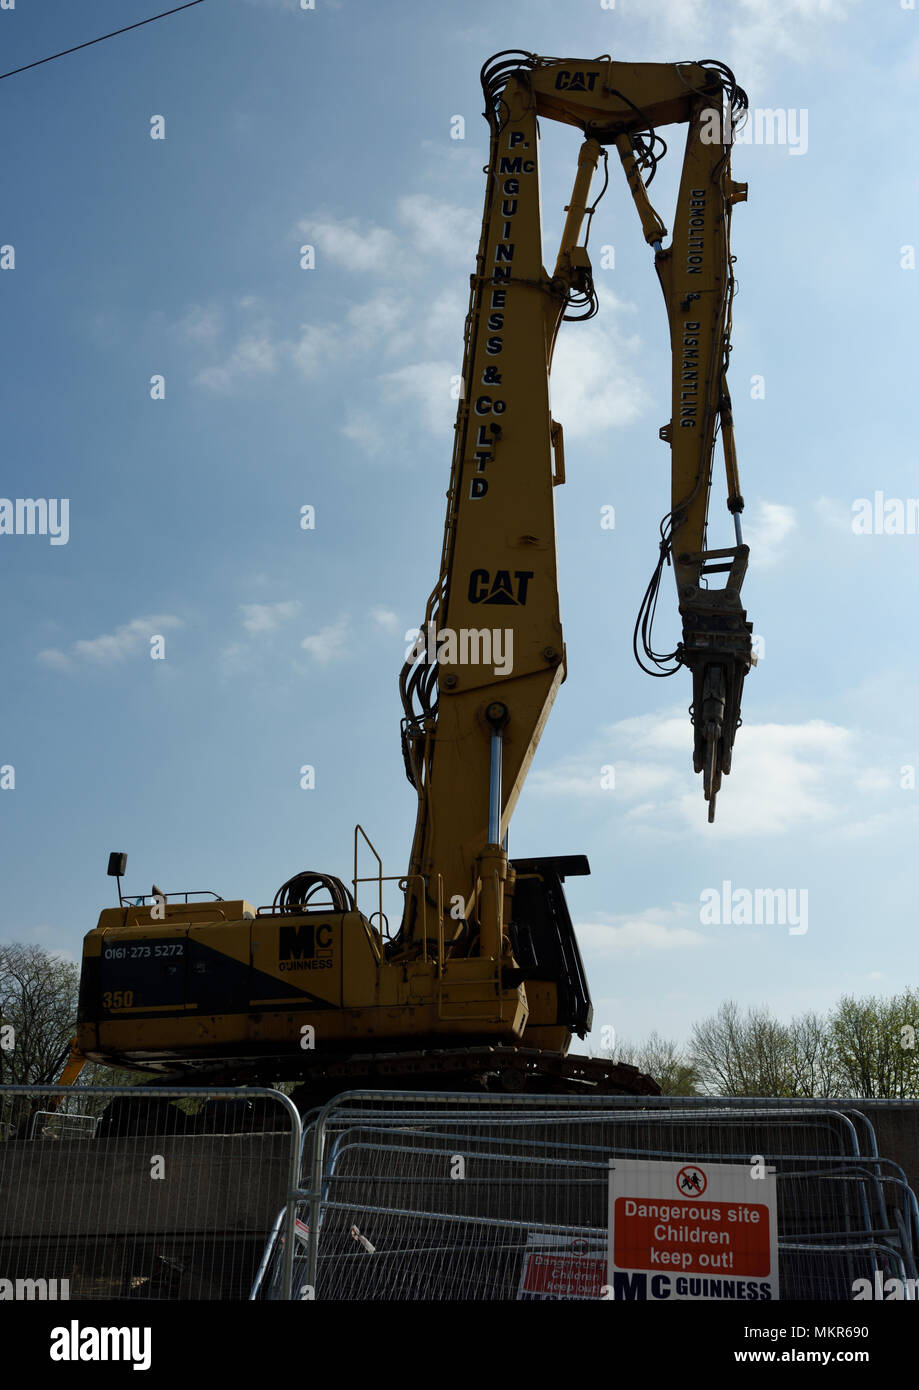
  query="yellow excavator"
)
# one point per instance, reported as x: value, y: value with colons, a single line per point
x: 482, y: 984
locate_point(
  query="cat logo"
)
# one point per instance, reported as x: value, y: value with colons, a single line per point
x: 504, y: 588
x: 576, y: 81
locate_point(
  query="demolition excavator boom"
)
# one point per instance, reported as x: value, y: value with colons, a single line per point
x: 483, y: 979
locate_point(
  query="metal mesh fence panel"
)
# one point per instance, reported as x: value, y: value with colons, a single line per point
x: 123, y: 1193
x: 442, y: 1196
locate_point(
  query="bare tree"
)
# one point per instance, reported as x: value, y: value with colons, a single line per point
x: 38, y: 1003
x: 38, y: 1020
x: 665, y: 1061
x: 812, y: 1056
x: 744, y: 1054
x: 863, y: 1047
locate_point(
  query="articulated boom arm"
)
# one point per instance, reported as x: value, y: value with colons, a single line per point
x: 490, y: 658
x: 483, y: 983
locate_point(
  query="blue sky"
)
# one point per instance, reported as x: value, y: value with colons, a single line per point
x: 331, y: 388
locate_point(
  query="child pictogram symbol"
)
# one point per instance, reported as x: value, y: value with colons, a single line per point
x: 691, y: 1181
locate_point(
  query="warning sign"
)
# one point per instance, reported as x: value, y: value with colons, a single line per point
x: 692, y: 1231
x: 556, y: 1267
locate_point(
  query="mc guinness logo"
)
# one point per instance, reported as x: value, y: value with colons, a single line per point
x: 306, y: 947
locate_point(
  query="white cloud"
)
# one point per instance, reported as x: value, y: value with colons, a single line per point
x: 752, y: 36
x: 54, y: 658
x: 441, y: 229
x: 235, y: 659
x: 346, y: 243
x: 381, y: 320
x: 385, y: 322
x: 329, y: 643
x: 766, y: 527
x: 367, y: 431
x: 388, y: 320
x: 110, y: 647
x: 654, y: 929
x: 316, y: 345
x: 386, y: 619
x: 835, y: 514
x: 582, y: 776
x: 652, y: 732
x: 784, y: 776
x: 875, y: 779
x: 442, y: 329
x: 253, y: 356
x: 763, y: 32
x: 202, y: 324
x: 267, y: 617
x: 435, y: 229
x: 428, y: 385
x: 594, y: 383
x: 879, y: 825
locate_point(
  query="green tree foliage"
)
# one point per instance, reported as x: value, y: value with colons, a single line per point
x: 862, y: 1047
x: 875, y: 1045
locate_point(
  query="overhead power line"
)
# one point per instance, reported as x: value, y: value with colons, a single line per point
x: 89, y: 42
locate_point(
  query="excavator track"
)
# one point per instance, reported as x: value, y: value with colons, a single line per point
x: 508, y: 1069
x: 513, y: 1070
x: 496, y: 1070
